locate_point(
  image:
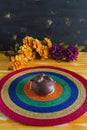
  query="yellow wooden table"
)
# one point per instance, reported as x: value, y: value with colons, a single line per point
x: 79, y: 66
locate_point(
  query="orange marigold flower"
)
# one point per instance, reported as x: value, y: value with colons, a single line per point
x: 47, y: 42
x: 45, y: 52
x: 30, y: 50
x: 28, y: 41
x: 17, y: 62
x: 37, y: 44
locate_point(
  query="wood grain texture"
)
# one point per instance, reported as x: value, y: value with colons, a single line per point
x: 79, y: 66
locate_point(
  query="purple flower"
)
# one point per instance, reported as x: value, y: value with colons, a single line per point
x: 59, y: 52
x: 70, y: 53
x: 56, y: 52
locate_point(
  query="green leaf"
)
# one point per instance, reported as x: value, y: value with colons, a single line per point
x: 80, y: 48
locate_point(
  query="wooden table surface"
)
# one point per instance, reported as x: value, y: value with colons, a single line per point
x: 79, y: 66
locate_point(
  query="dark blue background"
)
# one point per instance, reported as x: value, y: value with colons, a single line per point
x: 60, y: 20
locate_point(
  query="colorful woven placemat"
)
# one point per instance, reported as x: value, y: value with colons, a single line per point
x: 66, y: 103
